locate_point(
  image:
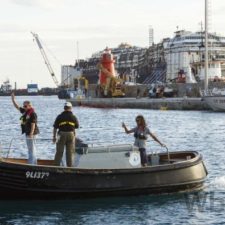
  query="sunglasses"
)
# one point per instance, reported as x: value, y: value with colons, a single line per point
x: 137, y: 120
x: 25, y: 106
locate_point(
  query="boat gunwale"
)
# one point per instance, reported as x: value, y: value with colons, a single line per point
x: 87, y: 171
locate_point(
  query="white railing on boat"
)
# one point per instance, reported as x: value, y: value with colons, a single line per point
x: 20, y: 140
x: 96, y: 147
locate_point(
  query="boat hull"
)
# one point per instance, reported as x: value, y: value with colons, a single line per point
x: 26, y: 181
x: 216, y: 103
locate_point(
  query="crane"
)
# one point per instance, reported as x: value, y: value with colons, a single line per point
x: 45, y: 59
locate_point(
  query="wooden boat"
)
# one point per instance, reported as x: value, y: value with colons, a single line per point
x: 98, y: 175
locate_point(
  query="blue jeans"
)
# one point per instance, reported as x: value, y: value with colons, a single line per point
x: 144, y: 158
x: 31, y: 150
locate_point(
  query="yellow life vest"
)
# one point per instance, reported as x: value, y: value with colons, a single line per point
x: 66, y: 123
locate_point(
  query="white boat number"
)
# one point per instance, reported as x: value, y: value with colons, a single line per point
x: 36, y: 175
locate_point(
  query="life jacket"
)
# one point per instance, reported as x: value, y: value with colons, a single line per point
x: 29, y: 112
x: 140, y: 135
x: 25, y: 123
x: 67, y: 123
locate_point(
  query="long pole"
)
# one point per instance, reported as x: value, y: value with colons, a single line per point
x: 78, y: 60
x: 206, y: 46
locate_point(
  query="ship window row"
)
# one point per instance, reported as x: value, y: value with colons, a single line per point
x: 212, y: 66
x: 197, y: 38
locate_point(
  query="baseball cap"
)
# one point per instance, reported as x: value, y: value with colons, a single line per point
x: 68, y: 104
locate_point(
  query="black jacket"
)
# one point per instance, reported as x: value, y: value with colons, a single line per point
x: 27, y: 118
x: 66, y: 122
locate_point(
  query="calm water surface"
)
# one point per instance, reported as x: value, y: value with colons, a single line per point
x: 179, y: 130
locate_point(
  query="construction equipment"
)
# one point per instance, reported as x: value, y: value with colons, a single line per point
x: 64, y: 91
x: 110, y: 85
x: 45, y: 59
x: 81, y: 85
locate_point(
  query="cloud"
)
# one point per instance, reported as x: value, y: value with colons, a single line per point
x: 46, y: 4
x: 24, y: 2
x: 13, y: 32
x: 7, y: 28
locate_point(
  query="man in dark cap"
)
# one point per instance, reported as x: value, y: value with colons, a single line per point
x: 64, y: 127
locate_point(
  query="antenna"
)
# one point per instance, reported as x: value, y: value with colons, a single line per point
x: 151, y: 36
x: 78, y: 60
x: 206, y: 46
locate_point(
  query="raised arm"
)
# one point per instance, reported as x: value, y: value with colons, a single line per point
x: 126, y: 130
x: 14, y: 101
x: 156, y: 139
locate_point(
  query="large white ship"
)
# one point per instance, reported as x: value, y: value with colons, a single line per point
x: 186, y: 51
x: 182, y: 54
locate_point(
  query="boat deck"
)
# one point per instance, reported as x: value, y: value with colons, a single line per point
x: 162, y: 159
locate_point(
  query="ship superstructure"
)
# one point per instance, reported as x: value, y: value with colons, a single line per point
x: 186, y: 51
x: 181, y: 55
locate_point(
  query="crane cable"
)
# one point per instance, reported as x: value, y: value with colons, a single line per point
x: 51, y: 53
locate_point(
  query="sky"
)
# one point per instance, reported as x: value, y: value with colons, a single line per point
x: 94, y: 24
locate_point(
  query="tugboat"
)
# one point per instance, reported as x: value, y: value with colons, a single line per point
x: 102, y: 171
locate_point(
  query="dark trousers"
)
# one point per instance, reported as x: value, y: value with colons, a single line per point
x: 66, y: 139
x: 144, y: 159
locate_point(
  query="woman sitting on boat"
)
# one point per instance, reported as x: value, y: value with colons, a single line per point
x: 141, y: 132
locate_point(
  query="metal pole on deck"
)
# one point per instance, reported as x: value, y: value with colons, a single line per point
x: 206, y: 46
x: 78, y: 57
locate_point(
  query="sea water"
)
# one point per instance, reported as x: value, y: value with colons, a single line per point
x: 179, y: 130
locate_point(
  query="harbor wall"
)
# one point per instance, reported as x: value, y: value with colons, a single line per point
x: 189, y: 90
x: 144, y: 103
x: 182, y: 90
x: 188, y: 98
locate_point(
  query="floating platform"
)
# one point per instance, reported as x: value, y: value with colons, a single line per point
x: 143, y: 103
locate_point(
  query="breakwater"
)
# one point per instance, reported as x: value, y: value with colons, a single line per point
x: 143, y: 103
